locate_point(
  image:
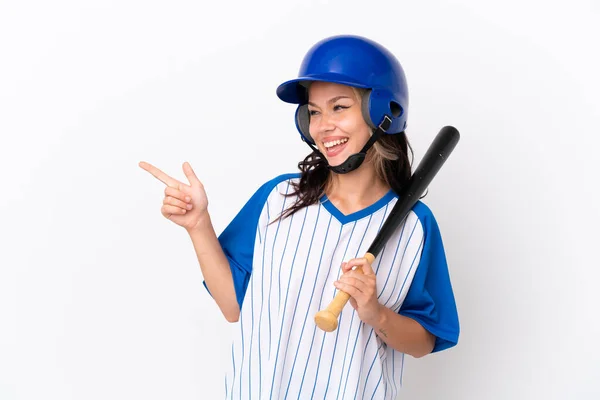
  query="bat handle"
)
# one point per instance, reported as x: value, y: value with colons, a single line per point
x: 327, y: 319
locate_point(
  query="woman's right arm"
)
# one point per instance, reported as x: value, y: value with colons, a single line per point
x: 215, y: 267
x: 187, y: 206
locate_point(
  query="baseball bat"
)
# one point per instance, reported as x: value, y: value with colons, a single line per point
x: 432, y: 161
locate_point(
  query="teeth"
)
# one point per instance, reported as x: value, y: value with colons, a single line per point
x: 335, y: 142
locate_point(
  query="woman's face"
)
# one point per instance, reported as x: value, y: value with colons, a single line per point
x: 336, y: 122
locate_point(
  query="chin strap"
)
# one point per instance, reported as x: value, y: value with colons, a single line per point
x: 355, y: 160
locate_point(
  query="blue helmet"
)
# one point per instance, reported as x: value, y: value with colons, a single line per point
x: 353, y: 61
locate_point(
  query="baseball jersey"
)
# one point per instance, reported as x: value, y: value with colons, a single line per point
x: 283, y: 274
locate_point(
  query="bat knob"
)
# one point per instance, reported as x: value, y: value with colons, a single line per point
x: 326, y: 320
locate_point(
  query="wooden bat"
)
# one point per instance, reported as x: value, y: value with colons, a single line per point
x: 432, y: 161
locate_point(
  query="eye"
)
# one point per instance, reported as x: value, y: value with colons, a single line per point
x: 339, y: 107
x: 312, y: 112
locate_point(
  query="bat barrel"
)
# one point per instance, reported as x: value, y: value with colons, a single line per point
x: 437, y: 154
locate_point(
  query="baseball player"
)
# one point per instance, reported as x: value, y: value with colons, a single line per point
x: 299, y: 237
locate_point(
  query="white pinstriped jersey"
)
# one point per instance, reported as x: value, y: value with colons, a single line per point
x: 284, y: 273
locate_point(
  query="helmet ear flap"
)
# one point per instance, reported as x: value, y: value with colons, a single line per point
x: 377, y: 104
x: 303, y: 122
x: 366, y: 109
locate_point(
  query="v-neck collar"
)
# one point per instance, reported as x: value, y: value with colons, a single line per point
x: 355, y: 216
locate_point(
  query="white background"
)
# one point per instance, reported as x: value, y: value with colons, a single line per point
x: 102, y: 298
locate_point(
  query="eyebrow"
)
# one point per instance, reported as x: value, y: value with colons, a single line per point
x: 333, y: 100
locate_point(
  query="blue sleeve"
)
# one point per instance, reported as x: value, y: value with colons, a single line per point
x: 430, y: 299
x: 237, y: 240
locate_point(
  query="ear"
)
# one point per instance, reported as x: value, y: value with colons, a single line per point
x: 303, y: 121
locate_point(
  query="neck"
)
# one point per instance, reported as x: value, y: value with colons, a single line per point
x: 357, y: 189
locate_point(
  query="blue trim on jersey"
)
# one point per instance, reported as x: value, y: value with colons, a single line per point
x: 355, y: 216
x: 237, y: 240
x: 430, y: 300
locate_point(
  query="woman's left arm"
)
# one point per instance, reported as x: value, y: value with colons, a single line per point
x: 401, y: 333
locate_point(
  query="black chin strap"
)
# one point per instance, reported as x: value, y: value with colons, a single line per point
x: 355, y: 160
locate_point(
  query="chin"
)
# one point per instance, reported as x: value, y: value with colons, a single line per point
x: 336, y: 161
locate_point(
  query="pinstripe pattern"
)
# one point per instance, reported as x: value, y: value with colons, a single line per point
x: 278, y: 352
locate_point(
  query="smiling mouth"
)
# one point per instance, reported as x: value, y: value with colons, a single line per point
x: 334, y: 147
x: 333, y: 143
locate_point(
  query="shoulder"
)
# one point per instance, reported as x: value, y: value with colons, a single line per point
x: 422, y: 211
x: 426, y: 217
x: 279, y: 181
x: 283, y: 178
x: 278, y: 185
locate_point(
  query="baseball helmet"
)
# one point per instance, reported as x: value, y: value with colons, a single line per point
x: 353, y: 61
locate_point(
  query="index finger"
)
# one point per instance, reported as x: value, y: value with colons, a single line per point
x: 367, y: 267
x: 158, y: 174
x: 359, y: 264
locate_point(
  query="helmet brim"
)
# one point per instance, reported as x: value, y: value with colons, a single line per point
x: 294, y: 92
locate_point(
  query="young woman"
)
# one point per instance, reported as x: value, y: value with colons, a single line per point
x: 298, y: 238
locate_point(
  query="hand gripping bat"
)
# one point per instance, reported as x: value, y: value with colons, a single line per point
x: 432, y: 161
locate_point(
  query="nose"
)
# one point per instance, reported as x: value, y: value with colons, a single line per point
x: 324, y: 123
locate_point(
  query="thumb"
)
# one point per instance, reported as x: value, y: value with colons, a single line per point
x: 189, y: 173
x: 353, y: 303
